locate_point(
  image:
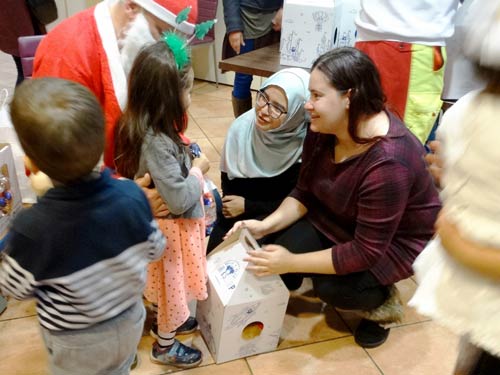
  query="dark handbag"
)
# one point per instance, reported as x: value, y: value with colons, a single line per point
x: 45, y: 11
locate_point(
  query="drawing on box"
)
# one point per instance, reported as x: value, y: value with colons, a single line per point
x: 5, y: 193
x: 293, y: 50
x: 324, y: 45
x: 320, y: 17
x: 240, y: 318
x: 267, y: 289
x: 347, y: 39
x: 229, y: 271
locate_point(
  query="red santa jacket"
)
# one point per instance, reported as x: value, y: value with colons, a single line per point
x: 83, y: 48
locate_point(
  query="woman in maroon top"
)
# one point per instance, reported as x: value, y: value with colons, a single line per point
x: 364, y: 206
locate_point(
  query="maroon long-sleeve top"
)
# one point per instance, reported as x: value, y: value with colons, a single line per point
x: 378, y: 207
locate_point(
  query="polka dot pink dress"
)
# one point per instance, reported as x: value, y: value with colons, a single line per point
x: 180, y: 275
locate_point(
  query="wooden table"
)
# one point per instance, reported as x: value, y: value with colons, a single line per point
x: 262, y: 62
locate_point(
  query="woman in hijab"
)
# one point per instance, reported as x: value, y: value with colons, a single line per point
x: 261, y: 157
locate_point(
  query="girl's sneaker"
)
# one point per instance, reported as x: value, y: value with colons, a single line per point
x: 178, y: 355
x: 189, y: 326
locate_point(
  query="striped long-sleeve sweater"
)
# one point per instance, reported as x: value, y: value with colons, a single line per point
x: 82, y: 252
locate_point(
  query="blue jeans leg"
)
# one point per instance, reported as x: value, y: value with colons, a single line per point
x: 242, y: 82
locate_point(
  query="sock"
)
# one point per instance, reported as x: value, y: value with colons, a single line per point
x: 154, y: 308
x: 165, y: 339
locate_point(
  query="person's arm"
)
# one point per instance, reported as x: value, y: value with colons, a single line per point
x: 286, y: 214
x: 158, y: 206
x: 15, y: 280
x: 275, y: 259
x: 435, y: 162
x: 232, y: 15
x: 482, y: 259
x: 277, y: 20
x: 179, y: 193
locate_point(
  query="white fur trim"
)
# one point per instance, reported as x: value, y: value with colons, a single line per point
x: 165, y: 15
x: 110, y: 46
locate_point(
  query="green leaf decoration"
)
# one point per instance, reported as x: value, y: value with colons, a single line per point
x: 178, y: 46
x: 201, y: 29
x: 183, y: 15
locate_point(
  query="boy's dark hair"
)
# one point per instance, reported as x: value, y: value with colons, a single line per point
x: 155, y: 91
x: 60, y: 126
x: 350, y: 69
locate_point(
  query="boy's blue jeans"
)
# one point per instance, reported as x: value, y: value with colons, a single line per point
x: 105, y: 348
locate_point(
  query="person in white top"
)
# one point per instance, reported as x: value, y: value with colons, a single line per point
x: 406, y: 40
x: 459, y: 271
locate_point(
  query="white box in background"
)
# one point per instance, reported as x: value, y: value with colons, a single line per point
x: 307, y: 29
x: 313, y: 27
x: 345, y: 28
x: 243, y: 314
x: 10, y: 195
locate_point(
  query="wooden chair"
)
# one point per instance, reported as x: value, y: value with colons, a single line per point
x: 207, y: 10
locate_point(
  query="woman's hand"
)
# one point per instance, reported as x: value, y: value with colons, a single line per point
x: 156, y: 203
x: 271, y: 260
x: 236, y: 41
x: 233, y: 206
x: 255, y: 227
x: 435, y: 162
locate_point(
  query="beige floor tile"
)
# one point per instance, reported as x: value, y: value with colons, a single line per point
x: 21, y: 347
x: 193, y: 130
x: 341, y: 356
x: 215, y: 127
x: 417, y: 349
x: 210, y: 90
x: 308, y: 320
x: 218, y: 143
x: 238, y: 367
x: 211, y: 108
x: 18, y: 309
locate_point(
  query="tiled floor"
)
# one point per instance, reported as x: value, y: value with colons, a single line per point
x: 315, y: 339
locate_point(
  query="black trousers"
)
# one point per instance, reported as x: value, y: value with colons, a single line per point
x: 355, y: 291
x: 488, y: 364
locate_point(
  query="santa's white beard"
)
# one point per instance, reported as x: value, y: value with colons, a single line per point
x: 137, y: 36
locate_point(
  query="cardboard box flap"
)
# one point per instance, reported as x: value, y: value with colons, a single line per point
x: 225, y: 264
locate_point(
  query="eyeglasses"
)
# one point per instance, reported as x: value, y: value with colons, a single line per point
x: 274, y: 111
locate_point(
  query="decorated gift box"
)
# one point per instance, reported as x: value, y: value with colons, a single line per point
x: 243, y: 314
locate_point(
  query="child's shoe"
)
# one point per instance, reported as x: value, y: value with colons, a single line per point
x: 189, y: 326
x: 177, y: 354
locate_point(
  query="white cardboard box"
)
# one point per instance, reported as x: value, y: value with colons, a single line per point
x: 313, y: 27
x: 10, y: 195
x: 345, y: 28
x: 8, y: 135
x: 307, y: 29
x: 243, y: 314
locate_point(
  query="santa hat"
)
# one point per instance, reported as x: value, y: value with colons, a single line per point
x: 167, y: 10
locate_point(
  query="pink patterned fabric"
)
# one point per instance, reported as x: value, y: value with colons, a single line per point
x: 180, y: 275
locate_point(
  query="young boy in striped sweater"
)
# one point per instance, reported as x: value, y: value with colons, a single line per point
x: 82, y: 250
